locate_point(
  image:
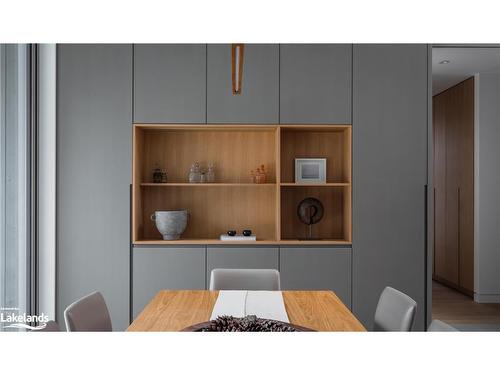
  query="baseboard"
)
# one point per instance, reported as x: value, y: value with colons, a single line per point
x: 449, y: 284
x: 486, y: 298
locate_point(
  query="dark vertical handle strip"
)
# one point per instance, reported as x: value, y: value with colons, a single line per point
x: 426, y: 210
x: 131, y: 261
x: 458, y: 234
x: 434, y: 233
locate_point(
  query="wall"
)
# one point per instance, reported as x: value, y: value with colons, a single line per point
x: 487, y: 180
x: 47, y: 180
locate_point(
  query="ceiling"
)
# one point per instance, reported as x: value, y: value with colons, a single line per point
x: 463, y: 63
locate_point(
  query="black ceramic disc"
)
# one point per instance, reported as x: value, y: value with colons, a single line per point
x: 310, y: 210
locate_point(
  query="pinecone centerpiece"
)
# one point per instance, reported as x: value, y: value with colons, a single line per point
x: 249, y: 323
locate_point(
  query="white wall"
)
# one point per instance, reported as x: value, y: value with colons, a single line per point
x: 487, y: 188
x: 47, y: 180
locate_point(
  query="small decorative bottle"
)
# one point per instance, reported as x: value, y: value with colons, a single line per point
x: 194, y: 173
x: 211, y: 173
x: 157, y: 175
x: 163, y: 176
x: 203, y: 177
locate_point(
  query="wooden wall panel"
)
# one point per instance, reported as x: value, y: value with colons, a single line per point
x: 466, y: 185
x: 453, y: 121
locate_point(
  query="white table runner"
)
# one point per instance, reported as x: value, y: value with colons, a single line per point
x: 240, y: 303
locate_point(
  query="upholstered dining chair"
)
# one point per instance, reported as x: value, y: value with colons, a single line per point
x: 395, y: 311
x: 89, y: 313
x: 440, y: 326
x: 244, y: 279
x: 51, y: 326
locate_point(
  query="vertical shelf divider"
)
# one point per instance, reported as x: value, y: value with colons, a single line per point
x: 278, y: 183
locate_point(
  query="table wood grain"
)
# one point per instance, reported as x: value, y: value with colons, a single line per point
x: 173, y: 310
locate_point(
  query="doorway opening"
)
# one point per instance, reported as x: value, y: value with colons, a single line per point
x: 466, y: 176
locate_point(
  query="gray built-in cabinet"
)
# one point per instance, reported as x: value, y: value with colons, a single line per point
x: 317, y: 268
x: 99, y: 84
x: 241, y: 257
x: 156, y: 268
x: 315, y: 83
x: 258, y: 102
x: 389, y: 175
x: 170, y: 83
x: 94, y: 146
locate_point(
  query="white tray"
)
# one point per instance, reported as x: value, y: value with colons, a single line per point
x: 238, y: 237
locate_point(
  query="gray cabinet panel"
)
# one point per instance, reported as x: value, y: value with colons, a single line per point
x: 258, y: 101
x: 241, y: 257
x: 170, y: 83
x: 389, y: 174
x: 315, y: 83
x: 157, y: 268
x: 317, y: 268
x: 94, y: 115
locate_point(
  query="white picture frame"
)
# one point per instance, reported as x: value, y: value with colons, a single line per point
x: 310, y: 170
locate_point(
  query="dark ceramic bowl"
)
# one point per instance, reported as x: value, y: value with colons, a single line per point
x: 201, y: 326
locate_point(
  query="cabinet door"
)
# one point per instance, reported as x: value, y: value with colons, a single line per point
x: 390, y: 101
x: 315, y: 83
x: 446, y: 171
x: 258, y: 101
x: 317, y: 268
x: 157, y: 268
x: 241, y: 257
x: 170, y: 83
x: 94, y: 112
x: 445, y: 265
x: 466, y: 185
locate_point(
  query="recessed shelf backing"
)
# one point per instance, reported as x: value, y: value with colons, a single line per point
x: 334, y: 224
x: 234, y: 153
x: 213, y: 210
x: 334, y: 144
x: 233, y: 202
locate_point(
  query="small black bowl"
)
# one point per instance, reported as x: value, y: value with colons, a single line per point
x: 231, y: 233
x: 247, y: 232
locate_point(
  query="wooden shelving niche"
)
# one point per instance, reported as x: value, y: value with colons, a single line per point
x: 233, y: 201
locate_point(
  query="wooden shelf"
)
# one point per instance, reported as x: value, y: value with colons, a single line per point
x: 314, y: 242
x: 258, y: 242
x: 327, y: 184
x: 207, y: 184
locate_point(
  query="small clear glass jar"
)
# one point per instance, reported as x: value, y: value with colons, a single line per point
x: 194, y: 173
x: 211, y: 173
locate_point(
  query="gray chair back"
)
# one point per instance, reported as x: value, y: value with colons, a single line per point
x: 89, y: 313
x: 440, y: 326
x: 51, y: 326
x: 395, y: 311
x: 244, y: 279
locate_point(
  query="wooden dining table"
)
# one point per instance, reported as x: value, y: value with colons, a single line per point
x: 174, y: 310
